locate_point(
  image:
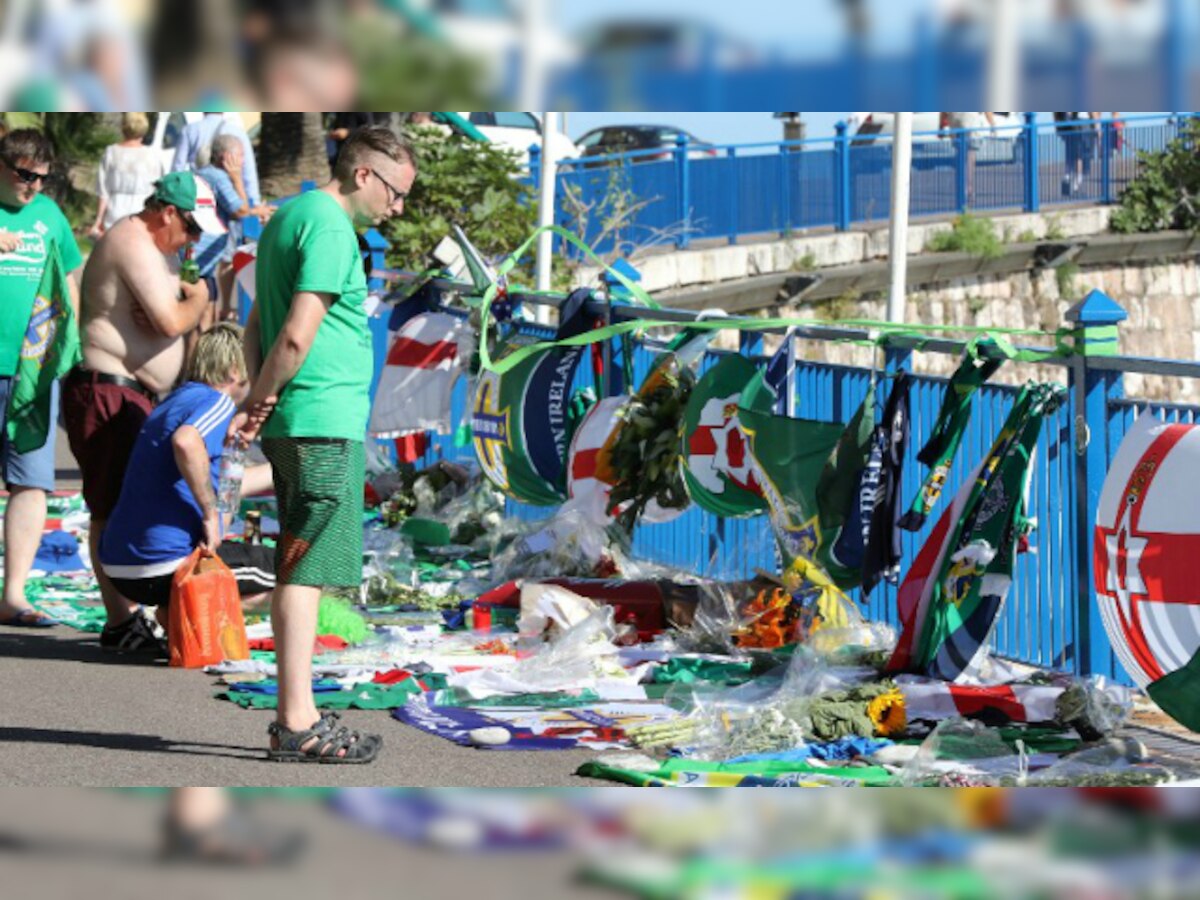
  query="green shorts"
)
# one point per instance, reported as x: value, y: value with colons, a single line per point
x: 319, y: 491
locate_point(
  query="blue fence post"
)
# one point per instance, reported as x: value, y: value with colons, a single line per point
x: 377, y: 246
x: 961, y: 147
x: 613, y: 361
x: 1033, y: 201
x: 1095, y: 319
x: 684, y: 175
x: 785, y: 187
x: 1106, y: 148
x: 841, y: 179
x: 731, y: 153
x: 535, y: 168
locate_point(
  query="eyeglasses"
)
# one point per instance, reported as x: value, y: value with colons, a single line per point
x: 192, y: 226
x: 393, y: 194
x: 26, y: 175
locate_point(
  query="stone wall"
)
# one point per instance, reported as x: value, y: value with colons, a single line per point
x: 1162, y: 298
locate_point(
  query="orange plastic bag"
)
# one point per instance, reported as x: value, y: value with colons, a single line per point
x: 205, y: 625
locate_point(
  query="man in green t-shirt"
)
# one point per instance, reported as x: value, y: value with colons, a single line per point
x: 31, y: 224
x: 308, y: 349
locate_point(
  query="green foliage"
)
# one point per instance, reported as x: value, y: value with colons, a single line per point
x: 975, y: 304
x: 806, y: 263
x: 1065, y: 275
x: 79, y: 140
x: 1164, y: 195
x: 1026, y: 237
x: 1054, y: 228
x: 975, y: 235
x: 466, y: 183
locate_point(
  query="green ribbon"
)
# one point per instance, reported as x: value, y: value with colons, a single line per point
x: 885, y: 330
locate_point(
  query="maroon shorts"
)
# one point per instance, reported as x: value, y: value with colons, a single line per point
x: 102, y: 422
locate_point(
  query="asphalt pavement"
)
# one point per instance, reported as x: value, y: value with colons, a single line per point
x: 77, y: 715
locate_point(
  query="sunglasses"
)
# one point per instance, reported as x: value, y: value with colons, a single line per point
x: 26, y: 175
x: 192, y: 226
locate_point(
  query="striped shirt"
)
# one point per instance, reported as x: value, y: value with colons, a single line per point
x: 157, y: 522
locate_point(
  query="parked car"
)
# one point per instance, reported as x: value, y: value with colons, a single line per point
x: 611, y: 139
x: 933, y: 133
x: 517, y: 131
x: 168, y: 126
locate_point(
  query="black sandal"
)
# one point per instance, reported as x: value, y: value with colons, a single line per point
x: 323, y: 743
x: 235, y: 840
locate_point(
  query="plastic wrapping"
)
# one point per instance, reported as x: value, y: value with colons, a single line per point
x: 1117, y: 762
x: 567, y: 545
x: 715, y: 619
x: 1095, y: 707
x: 967, y: 753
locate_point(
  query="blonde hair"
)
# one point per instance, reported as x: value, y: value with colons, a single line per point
x: 134, y: 125
x: 218, y: 353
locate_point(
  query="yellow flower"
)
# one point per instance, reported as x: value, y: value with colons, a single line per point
x: 887, y: 713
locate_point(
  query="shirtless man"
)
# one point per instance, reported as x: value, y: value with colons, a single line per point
x: 135, y: 315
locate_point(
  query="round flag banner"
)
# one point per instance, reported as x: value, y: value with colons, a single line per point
x: 1147, y: 539
x: 520, y: 427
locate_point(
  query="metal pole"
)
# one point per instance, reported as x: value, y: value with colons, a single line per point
x: 1004, y: 60
x: 533, y: 69
x: 545, y: 244
x: 898, y: 243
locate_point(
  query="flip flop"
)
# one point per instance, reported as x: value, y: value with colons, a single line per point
x: 29, y: 618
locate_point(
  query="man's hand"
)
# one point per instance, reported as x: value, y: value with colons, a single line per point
x: 249, y: 422
x: 9, y: 241
x: 188, y: 291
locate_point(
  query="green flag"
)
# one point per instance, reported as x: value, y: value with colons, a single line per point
x: 977, y: 572
x: 790, y: 455
x: 51, y: 349
x: 938, y: 452
x: 841, y: 547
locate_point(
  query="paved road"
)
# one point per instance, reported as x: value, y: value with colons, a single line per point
x: 75, y: 715
x: 72, y: 843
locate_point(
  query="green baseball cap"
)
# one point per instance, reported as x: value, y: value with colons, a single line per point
x: 190, y: 193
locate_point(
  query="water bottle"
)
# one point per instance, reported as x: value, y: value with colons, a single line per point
x: 229, y: 480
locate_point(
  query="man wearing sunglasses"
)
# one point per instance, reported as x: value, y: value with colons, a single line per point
x: 30, y: 223
x: 136, y: 313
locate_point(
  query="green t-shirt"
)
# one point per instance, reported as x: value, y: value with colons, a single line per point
x: 310, y: 245
x: 39, y: 223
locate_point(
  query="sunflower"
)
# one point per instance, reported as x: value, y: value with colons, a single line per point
x: 887, y: 713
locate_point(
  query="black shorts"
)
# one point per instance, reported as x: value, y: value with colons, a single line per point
x: 253, y: 566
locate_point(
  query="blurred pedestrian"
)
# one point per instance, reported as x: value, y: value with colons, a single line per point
x: 194, y: 150
x: 214, y: 252
x: 135, y: 313
x: 308, y: 349
x: 127, y: 174
x: 1080, y: 133
x: 31, y: 224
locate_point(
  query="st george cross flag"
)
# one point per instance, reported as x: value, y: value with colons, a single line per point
x: 51, y: 349
x: 721, y: 474
x: 1145, y: 551
x: 425, y: 360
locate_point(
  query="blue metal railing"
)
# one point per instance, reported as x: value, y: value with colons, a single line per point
x: 1050, y: 617
x: 732, y: 191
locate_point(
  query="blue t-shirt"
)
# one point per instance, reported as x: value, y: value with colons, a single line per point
x: 157, y: 522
